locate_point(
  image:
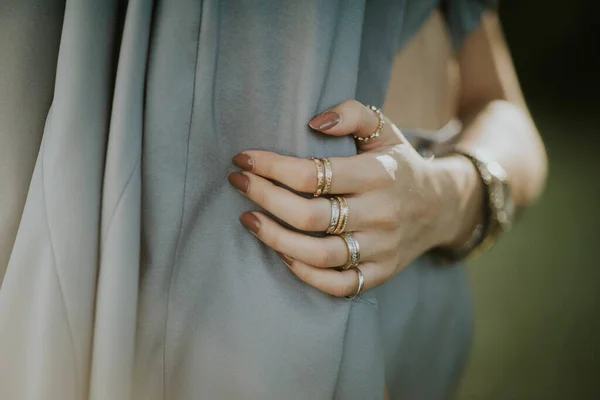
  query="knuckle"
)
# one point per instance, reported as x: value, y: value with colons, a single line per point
x: 340, y: 290
x: 269, y: 165
x: 258, y: 194
x: 307, y: 179
x: 388, y: 219
x: 264, y: 166
x: 351, y: 104
x: 302, y: 217
x: 311, y: 220
x: 300, y: 221
x: 422, y: 208
x: 324, y: 257
x: 266, y: 235
x: 396, y: 213
x: 382, y: 179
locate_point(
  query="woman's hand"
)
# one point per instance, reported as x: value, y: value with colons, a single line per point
x: 400, y: 205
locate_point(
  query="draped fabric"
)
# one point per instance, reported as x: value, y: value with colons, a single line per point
x: 125, y: 272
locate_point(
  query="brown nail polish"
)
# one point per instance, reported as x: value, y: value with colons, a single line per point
x: 325, y: 121
x: 240, y: 181
x: 286, y: 259
x: 250, y: 221
x: 243, y: 161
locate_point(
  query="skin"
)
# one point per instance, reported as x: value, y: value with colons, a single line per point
x: 402, y: 205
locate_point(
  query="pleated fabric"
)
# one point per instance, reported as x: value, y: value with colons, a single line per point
x: 126, y: 273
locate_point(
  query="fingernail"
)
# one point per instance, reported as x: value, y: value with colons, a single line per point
x: 286, y: 259
x: 240, y: 181
x: 325, y: 121
x: 250, y: 221
x: 243, y: 161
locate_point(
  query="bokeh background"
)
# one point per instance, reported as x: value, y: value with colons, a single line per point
x: 537, y: 293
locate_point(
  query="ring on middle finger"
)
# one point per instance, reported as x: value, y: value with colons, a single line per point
x: 342, y: 220
x: 335, y: 215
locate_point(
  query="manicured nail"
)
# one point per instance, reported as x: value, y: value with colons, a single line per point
x: 250, y: 221
x: 243, y: 161
x: 325, y: 121
x: 286, y: 259
x: 240, y: 181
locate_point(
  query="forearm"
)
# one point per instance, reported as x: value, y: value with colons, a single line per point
x: 506, y: 133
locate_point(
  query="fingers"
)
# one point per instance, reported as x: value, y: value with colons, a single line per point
x: 313, y: 215
x: 334, y: 282
x: 304, y: 214
x: 356, y: 174
x: 352, y: 117
x: 327, y: 252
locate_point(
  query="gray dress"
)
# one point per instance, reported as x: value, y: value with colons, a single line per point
x: 126, y: 273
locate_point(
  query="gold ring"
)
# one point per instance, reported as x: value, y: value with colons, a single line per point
x: 344, y: 213
x: 335, y: 215
x: 353, y: 250
x: 361, y: 285
x: 380, y: 123
x: 328, y: 175
x: 320, y: 176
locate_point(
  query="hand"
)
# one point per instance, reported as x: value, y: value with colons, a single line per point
x: 394, y: 195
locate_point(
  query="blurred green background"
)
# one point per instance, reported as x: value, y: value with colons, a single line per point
x: 537, y: 293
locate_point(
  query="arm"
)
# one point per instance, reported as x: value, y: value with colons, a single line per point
x: 496, y: 119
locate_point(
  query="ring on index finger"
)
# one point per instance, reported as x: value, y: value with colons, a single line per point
x: 324, y: 176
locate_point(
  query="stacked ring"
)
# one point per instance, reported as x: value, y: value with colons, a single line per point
x: 361, y: 285
x: 335, y: 215
x: 328, y: 175
x: 324, y: 176
x: 339, y: 215
x: 380, y: 123
x: 343, y: 218
x: 353, y: 250
x: 320, y: 176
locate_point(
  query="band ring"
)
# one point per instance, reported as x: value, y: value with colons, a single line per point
x: 353, y: 250
x: 335, y: 215
x: 328, y: 175
x: 361, y: 285
x: 380, y: 123
x: 324, y: 176
x: 343, y: 217
x: 320, y: 176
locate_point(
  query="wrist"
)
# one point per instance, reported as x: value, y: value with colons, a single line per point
x: 461, y: 200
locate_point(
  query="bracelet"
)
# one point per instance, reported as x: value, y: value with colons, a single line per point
x: 496, y: 214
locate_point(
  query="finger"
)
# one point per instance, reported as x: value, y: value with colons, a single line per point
x: 304, y: 214
x: 334, y: 282
x: 326, y: 252
x: 356, y: 174
x: 352, y: 117
x: 312, y: 215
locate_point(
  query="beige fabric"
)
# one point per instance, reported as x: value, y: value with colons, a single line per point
x: 425, y: 80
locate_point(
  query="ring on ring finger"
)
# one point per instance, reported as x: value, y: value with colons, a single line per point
x: 353, y: 250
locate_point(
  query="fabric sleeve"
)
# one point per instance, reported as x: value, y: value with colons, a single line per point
x: 464, y: 16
